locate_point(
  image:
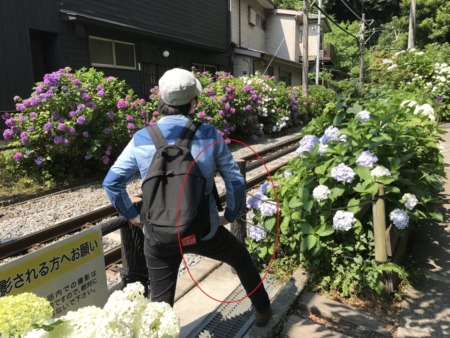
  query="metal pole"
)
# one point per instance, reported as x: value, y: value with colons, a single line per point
x: 412, y: 24
x: 361, y: 50
x: 305, y: 50
x: 318, y: 42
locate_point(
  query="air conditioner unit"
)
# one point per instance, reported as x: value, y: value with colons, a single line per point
x: 251, y: 16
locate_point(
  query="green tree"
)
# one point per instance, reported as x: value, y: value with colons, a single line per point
x: 433, y: 21
x: 346, y: 47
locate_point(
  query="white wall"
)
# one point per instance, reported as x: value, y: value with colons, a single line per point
x: 251, y: 37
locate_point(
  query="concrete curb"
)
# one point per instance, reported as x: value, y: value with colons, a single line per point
x: 282, y: 304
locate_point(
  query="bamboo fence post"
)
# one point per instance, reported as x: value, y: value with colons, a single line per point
x: 379, y: 226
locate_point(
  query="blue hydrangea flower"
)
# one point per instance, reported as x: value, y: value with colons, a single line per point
x: 400, y: 218
x: 367, y: 159
x: 267, y: 207
x: 343, y: 173
x: 307, y: 143
x: 256, y: 233
x: 363, y: 116
x: 254, y: 201
x: 331, y: 134
x: 343, y: 220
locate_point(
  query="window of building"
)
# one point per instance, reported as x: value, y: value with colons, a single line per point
x: 205, y: 68
x: 260, y: 22
x: 112, y: 53
x: 285, y: 77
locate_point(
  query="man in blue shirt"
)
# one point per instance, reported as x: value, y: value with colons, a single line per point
x: 178, y: 91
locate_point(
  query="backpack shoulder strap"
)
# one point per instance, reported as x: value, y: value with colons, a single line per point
x: 156, y: 136
x: 187, y: 133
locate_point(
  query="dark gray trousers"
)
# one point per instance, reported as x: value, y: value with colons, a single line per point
x: 163, y: 265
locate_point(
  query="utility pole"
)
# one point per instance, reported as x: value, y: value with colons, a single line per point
x: 318, y: 42
x: 305, y: 60
x: 412, y: 24
x: 361, y: 49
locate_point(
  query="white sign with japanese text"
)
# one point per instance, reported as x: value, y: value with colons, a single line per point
x: 69, y: 273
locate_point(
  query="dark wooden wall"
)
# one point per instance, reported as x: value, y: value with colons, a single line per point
x: 193, y: 31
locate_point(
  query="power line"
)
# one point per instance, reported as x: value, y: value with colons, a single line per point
x: 336, y: 24
x: 351, y: 10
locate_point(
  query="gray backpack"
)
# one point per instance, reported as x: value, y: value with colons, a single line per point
x: 175, y: 208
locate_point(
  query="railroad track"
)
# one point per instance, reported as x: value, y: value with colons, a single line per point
x: 37, y: 239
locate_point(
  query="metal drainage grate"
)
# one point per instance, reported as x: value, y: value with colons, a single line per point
x: 231, y: 320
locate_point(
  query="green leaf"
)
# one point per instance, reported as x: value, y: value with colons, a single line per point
x: 353, y: 205
x: 270, y: 223
x: 363, y: 173
x: 337, y: 192
x: 294, y: 202
x: 262, y: 252
x: 306, y: 228
x: 296, y: 215
x: 303, y: 193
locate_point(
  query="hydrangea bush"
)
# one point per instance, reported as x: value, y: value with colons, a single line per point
x: 127, y: 314
x: 18, y: 313
x: 424, y: 73
x: 325, y: 195
x: 73, y: 124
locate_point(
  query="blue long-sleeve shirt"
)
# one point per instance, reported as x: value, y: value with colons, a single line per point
x: 215, y: 154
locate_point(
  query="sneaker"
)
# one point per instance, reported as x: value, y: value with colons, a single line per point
x: 261, y: 318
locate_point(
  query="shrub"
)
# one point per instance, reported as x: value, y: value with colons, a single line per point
x: 72, y: 125
x: 343, y: 157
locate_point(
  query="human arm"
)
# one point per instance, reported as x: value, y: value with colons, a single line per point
x: 116, y: 181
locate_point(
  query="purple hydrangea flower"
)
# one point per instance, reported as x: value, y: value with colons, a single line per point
x: 66, y: 142
x: 367, y: 159
x: 110, y: 115
x: 10, y: 122
x: 51, y: 79
x: 76, y: 82
x: 48, y: 126
x: 71, y: 131
x: 105, y: 159
x: 343, y: 173
x: 18, y: 156
x: 24, y: 137
x: 7, y: 134
x: 85, y: 134
x: 121, y: 104
x: 57, y: 139
x: 81, y: 120
x: 131, y: 126
x: 129, y: 118
x: 61, y: 126
x: 107, y: 130
x: 38, y: 160
x: 32, y: 115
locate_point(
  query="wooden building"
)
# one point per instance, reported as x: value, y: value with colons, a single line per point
x: 135, y: 40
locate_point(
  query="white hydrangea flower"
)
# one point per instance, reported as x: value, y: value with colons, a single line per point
x: 380, y: 171
x: 400, y: 218
x: 426, y: 110
x: 287, y: 173
x: 409, y: 103
x: 321, y: 192
x: 391, y: 67
x: 267, y: 207
x: 343, y: 220
x: 410, y: 201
